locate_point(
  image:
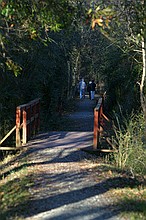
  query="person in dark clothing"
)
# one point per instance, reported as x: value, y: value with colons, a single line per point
x: 93, y: 86
x: 89, y: 89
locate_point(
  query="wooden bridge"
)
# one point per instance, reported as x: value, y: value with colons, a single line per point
x: 28, y: 125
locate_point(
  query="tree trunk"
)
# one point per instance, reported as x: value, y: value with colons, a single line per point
x: 142, y: 84
x: 69, y: 81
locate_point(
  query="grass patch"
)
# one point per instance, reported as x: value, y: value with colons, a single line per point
x: 132, y: 202
x: 128, y: 138
x: 14, y: 189
x: 128, y: 194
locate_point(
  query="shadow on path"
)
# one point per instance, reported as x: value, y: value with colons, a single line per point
x: 64, y: 187
x: 82, y: 118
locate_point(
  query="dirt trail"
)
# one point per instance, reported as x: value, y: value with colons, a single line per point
x: 67, y: 183
x: 82, y: 118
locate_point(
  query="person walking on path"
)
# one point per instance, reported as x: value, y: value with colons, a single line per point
x: 93, y: 86
x: 89, y: 89
x: 82, y: 87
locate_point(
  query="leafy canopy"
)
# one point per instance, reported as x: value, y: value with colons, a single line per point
x: 25, y: 20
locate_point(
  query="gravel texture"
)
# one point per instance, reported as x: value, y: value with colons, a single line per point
x: 65, y: 186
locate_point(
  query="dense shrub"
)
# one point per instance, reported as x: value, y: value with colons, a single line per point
x: 128, y: 138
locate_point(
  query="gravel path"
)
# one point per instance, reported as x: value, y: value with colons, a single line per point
x: 66, y: 188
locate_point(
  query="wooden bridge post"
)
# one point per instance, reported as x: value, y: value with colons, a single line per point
x: 100, y: 117
x: 38, y: 119
x: 24, y: 138
x: 18, y: 118
x: 34, y: 122
x: 29, y: 124
x: 96, y: 129
x: 98, y: 112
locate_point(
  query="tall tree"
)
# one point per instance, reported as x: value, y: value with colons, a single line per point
x: 22, y: 21
x: 124, y: 23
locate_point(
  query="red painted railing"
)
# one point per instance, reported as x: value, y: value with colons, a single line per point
x: 27, y: 124
x: 99, y: 117
x: 27, y: 121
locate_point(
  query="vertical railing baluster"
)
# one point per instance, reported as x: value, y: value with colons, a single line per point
x: 96, y: 131
x: 24, y: 137
x: 18, y: 123
x: 98, y: 111
x: 27, y: 119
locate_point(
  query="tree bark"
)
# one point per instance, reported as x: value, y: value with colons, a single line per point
x: 142, y: 84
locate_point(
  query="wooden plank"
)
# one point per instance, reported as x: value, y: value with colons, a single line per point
x: 18, y: 122
x: 98, y: 104
x: 96, y: 131
x: 24, y: 131
x: 105, y: 117
x: 24, y: 123
x: 10, y: 148
x: 33, y: 102
x: 106, y: 150
x: 9, y: 133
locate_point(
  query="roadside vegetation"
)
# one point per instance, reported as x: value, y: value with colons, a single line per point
x: 131, y: 161
x: 128, y: 140
x: 15, y: 181
x: 45, y: 48
x: 124, y: 180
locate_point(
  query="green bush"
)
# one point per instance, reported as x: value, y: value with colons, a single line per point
x: 131, y: 155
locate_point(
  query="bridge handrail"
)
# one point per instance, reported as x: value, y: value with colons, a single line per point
x: 99, y: 118
x: 98, y: 110
x: 27, y: 124
x: 8, y: 134
x: 27, y: 119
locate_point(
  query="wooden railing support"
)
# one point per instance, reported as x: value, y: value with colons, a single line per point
x: 27, y: 120
x: 98, y: 122
x: 96, y: 129
x: 8, y: 134
x: 18, y: 116
x: 24, y: 136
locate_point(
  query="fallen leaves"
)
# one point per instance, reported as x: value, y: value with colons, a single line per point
x: 102, y: 22
x: 98, y: 21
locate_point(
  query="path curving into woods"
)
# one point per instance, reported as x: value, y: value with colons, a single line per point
x: 68, y: 182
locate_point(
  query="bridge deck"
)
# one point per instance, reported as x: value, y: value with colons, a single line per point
x: 77, y: 131
x: 66, y: 179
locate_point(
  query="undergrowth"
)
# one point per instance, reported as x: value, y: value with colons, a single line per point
x: 131, y: 160
x: 15, y: 182
x: 129, y: 192
x: 128, y: 140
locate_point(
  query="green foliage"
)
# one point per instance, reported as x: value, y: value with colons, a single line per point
x: 25, y: 21
x: 131, y: 201
x: 126, y: 29
x: 128, y: 138
x: 48, y: 64
x: 14, y: 67
x: 14, y: 188
x: 44, y: 74
x: 127, y: 22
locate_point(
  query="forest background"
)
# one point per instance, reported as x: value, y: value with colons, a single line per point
x: 46, y: 46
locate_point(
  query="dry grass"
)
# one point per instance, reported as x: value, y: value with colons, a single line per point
x: 15, y: 182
